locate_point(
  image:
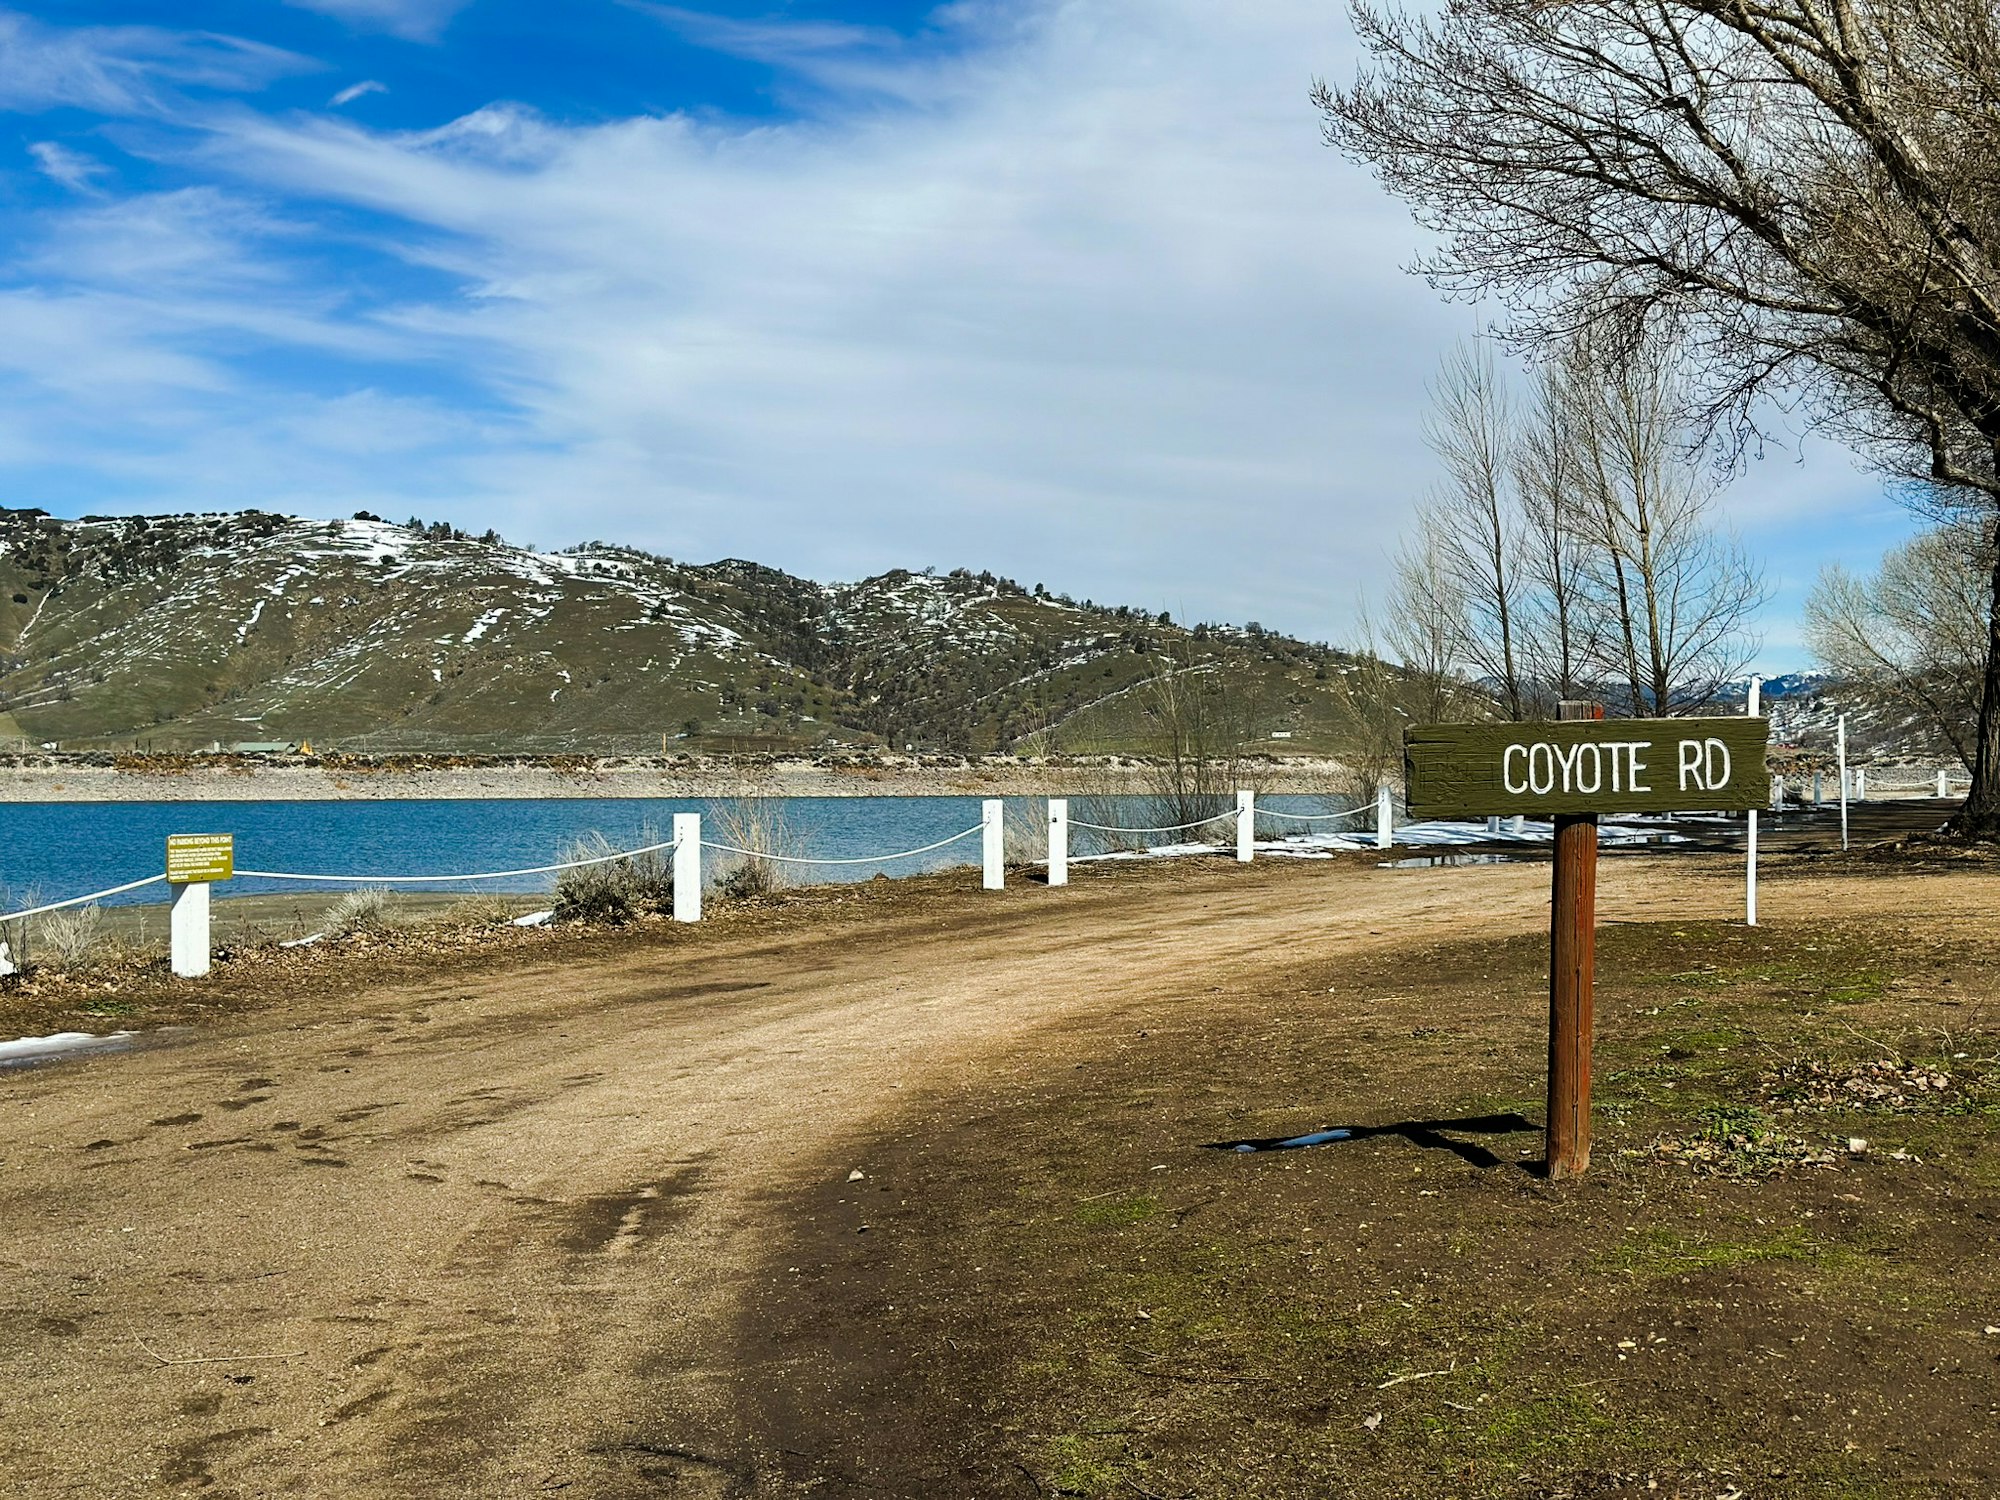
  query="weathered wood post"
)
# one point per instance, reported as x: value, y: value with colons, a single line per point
x: 1572, y: 982
x: 1058, y: 841
x: 993, y: 843
x: 194, y: 860
x: 687, y: 867
x: 1385, y: 817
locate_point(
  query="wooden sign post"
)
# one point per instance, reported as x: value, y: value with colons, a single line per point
x: 1572, y: 982
x: 1572, y: 771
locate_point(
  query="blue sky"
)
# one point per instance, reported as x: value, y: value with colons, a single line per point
x: 1064, y: 288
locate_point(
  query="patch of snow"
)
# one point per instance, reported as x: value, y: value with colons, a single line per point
x: 27, y: 1051
x: 47, y: 594
x: 535, y: 919
x: 483, y: 624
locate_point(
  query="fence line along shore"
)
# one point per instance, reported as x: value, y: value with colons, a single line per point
x: 189, y: 924
x: 1236, y: 826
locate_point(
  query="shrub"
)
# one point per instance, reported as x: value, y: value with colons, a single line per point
x: 1026, y: 834
x: 363, y: 910
x: 615, y: 890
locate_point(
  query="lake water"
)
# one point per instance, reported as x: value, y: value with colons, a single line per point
x: 53, y: 850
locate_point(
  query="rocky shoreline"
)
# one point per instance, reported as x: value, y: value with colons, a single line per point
x: 295, y: 779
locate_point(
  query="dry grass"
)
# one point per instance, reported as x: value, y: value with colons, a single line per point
x: 68, y: 936
x: 487, y: 909
x: 363, y: 910
x: 758, y: 824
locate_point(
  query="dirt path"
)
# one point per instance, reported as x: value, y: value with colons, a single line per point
x: 488, y: 1237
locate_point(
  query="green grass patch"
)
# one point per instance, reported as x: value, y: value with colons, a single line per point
x: 1558, y: 1426
x: 1082, y: 1463
x: 1655, y: 1254
x: 1115, y: 1211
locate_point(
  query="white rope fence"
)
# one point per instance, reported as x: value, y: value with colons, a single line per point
x: 866, y: 859
x: 1245, y: 815
x: 1335, y: 817
x: 1164, y: 828
x: 1943, y: 778
x: 568, y: 864
x: 116, y: 890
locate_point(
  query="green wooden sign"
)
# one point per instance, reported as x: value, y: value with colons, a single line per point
x: 1587, y: 766
x: 195, y: 857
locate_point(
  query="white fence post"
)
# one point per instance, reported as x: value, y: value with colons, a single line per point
x: 187, y: 929
x: 687, y: 867
x: 1777, y: 794
x: 1860, y: 783
x: 1058, y: 841
x: 1941, y: 791
x: 1246, y: 826
x: 993, y: 843
x: 1385, y: 817
x: 1754, y: 709
x: 1819, y: 790
x: 1842, y: 750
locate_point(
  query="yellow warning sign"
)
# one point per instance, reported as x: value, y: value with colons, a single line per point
x: 193, y: 857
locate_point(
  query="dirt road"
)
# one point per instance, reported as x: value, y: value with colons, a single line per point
x: 491, y: 1236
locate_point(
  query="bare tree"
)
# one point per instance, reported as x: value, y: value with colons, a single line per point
x: 1471, y: 521
x: 1426, y: 624
x: 1200, y: 719
x: 1909, y: 639
x: 1674, y: 592
x: 1807, y: 188
x: 1561, y: 631
x: 1574, y: 547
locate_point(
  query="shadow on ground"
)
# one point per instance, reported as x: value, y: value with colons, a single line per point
x: 1429, y: 1134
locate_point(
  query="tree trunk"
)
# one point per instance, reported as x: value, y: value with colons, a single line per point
x: 1980, y: 817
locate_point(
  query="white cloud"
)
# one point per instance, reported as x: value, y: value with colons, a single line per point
x: 768, y: 40
x: 125, y: 70
x: 413, y: 20
x: 1103, y: 313
x: 73, y: 169
x: 357, y: 90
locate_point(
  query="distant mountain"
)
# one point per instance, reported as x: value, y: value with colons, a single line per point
x: 185, y: 631
x: 1784, y: 685
x: 1805, y: 710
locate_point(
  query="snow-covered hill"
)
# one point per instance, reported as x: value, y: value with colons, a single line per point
x: 182, y: 631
